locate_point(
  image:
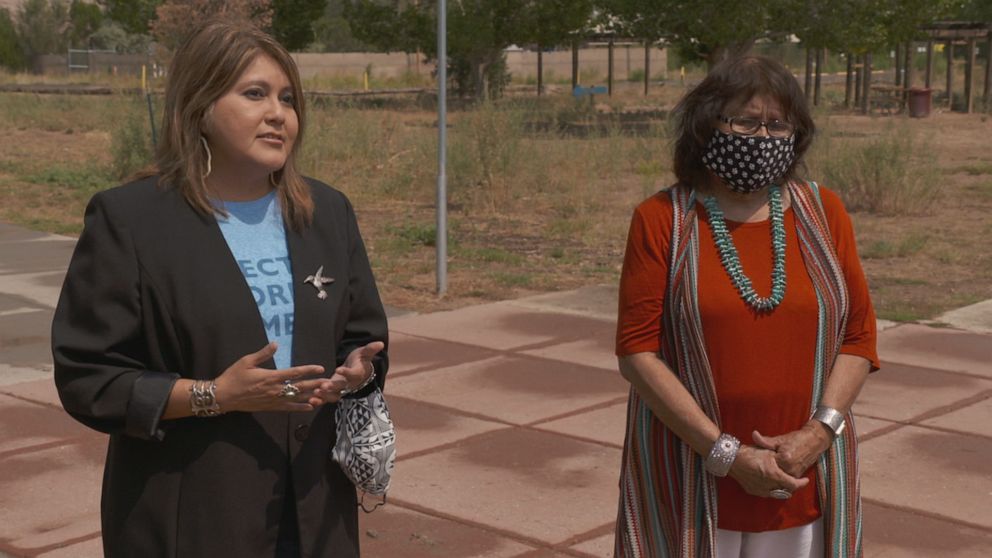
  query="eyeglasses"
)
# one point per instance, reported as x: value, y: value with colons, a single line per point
x: 748, y: 126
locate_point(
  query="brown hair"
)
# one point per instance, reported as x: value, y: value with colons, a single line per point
x: 736, y: 80
x: 205, y: 67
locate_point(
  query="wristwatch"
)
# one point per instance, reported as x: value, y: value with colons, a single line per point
x: 831, y: 418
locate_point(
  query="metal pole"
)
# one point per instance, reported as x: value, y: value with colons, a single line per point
x: 442, y: 143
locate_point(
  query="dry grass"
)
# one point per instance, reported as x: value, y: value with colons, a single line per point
x: 541, y: 191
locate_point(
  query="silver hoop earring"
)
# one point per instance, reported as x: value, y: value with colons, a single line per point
x: 206, y: 147
x: 272, y: 180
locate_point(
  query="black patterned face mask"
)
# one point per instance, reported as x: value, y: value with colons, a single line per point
x: 748, y: 163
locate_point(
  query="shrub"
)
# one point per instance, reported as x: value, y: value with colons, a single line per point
x: 131, y: 143
x: 893, y: 174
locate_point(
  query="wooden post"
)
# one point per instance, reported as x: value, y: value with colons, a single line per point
x: 609, y: 70
x: 898, y: 65
x: 575, y: 64
x: 969, y: 73
x: 647, y: 66
x: 987, y: 93
x: 540, y: 70
x: 866, y: 94
x: 808, y: 89
x: 859, y: 67
x: 849, y: 81
x: 929, y: 74
x: 908, y: 80
x: 819, y: 73
x: 950, y: 74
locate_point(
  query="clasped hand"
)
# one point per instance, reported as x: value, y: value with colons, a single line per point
x: 779, y: 462
x: 244, y: 386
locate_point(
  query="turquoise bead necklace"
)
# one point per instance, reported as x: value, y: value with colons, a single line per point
x: 732, y: 262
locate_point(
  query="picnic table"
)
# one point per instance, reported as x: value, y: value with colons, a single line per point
x: 887, y: 99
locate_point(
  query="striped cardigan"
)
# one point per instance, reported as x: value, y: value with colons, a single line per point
x: 668, y: 502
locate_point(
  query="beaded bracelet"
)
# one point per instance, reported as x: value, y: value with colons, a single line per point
x: 364, y: 384
x: 722, y: 455
x: 203, y: 400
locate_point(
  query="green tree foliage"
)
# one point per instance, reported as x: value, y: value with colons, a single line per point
x: 112, y: 36
x: 135, y: 16
x: 41, y: 27
x: 293, y: 21
x: 972, y: 10
x: 552, y: 22
x: 84, y: 20
x: 709, y: 30
x: 478, y: 32
x: 174, y: 19
x: 332, y: 32
x: 11, y: 55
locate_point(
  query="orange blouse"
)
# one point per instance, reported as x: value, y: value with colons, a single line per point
x: 762, y: 363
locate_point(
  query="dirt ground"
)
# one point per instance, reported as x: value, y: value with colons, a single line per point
x: 918, y: 265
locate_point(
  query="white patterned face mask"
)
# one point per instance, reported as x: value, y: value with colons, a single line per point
x: 748, y: 163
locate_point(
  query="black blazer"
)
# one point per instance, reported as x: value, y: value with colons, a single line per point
x: 153, y: 294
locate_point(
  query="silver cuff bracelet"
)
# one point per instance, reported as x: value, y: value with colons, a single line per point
x: 832, y: 418
x: 202, y: 399
x: 722, y: 455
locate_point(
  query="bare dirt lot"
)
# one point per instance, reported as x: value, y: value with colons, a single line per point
x: 531, y: 212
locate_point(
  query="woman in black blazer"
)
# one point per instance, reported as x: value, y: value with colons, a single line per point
x: 163, y: 336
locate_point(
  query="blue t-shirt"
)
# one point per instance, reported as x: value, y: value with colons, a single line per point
x: 255, y: 234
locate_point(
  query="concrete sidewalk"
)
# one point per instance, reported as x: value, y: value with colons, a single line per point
x: 510, y: 419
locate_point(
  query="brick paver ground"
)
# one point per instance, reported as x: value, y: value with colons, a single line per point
x: 510, y: 422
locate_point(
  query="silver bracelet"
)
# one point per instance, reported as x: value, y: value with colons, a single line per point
x: 722, y: 455
x: 203, y: 400
x: 368, y: 380
x: 831, y: 418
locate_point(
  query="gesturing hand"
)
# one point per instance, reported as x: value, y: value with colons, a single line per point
x: 756, y: 470
x: 356, y: 368
x: 796, y: 451
x: 246, y: 387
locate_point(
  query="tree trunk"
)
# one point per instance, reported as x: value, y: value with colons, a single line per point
x: 808, y: 82
x: 969, y: 75
x: 647, y: 66
x: 575, y: 64
x: 866, y: 94
x: 898, y: 65
x: 540, y: 70
x: 609, y: 71
x: 907, y: 80
x: 949, y: 48
x: 819, y: 72
x: 849, y: 80
x: 859, y: 72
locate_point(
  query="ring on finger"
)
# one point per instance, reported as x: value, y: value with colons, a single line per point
x: 289, y: 391
x: 780, y: 494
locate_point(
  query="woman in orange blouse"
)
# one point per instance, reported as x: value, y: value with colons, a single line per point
x: 746, y: 331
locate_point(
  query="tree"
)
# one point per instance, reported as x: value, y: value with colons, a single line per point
x: 478, y: 33
x: 332, y: 32
x: 41, y: 27
x: 176, y: 18
x: 11, y: 55
x: 293, y: 21
x: 112, y: 36
x: 84, y: 20
x: 709, y: 30
x: 134, y: 16
x: 554, y: 22
x: 972, y: 10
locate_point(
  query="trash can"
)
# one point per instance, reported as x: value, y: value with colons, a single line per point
x: 919, y: 102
